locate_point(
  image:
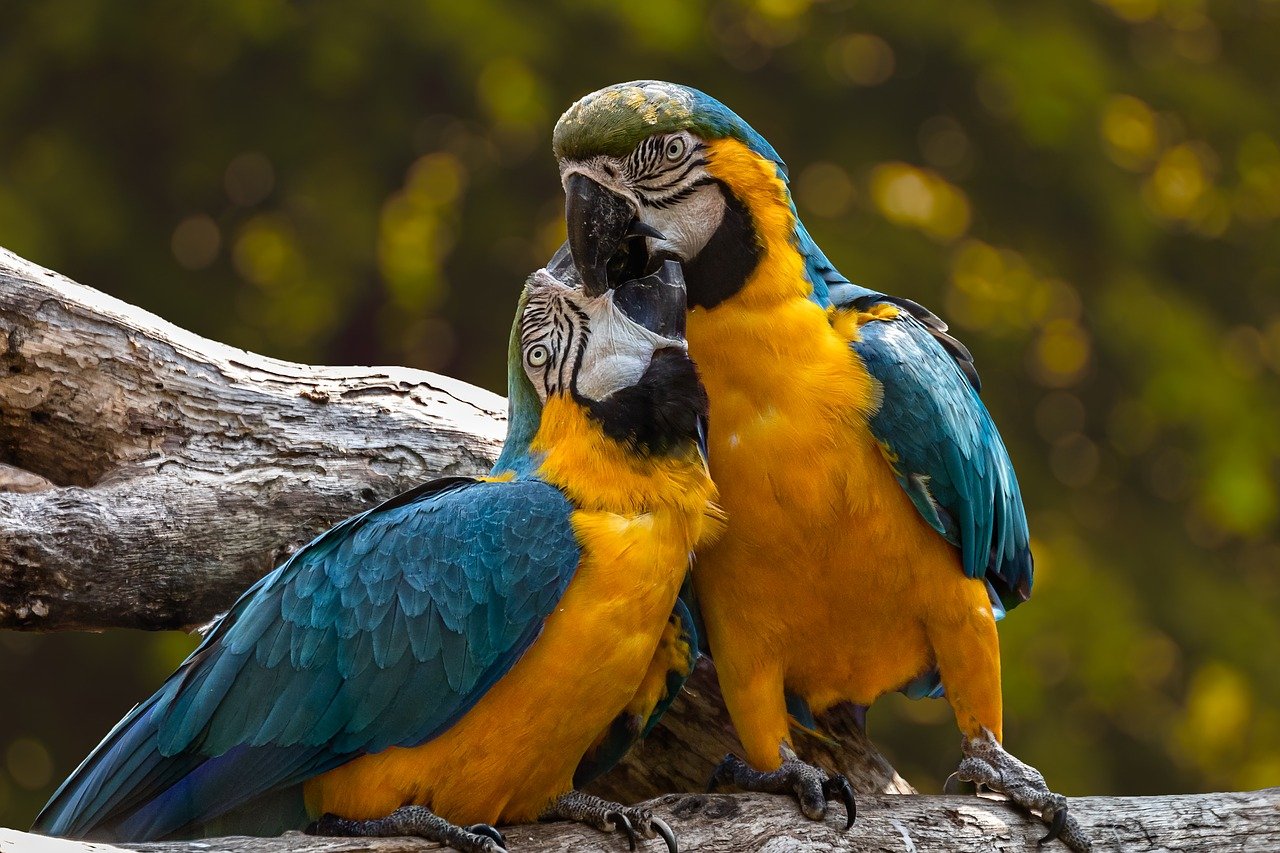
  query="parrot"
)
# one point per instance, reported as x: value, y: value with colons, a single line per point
x: 469, y: 652
x: 876, y: 531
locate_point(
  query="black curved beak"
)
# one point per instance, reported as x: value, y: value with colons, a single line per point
x: 656, y: 301
x: 600, y: 224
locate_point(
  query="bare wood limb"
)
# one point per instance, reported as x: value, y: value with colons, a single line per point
x: 185, y: 469
x: 1200, y: 823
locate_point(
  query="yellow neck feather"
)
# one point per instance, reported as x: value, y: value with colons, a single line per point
x: 754, y: 181
x: 599, y: 473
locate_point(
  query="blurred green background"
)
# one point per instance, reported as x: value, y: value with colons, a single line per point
x: 1088, y: 191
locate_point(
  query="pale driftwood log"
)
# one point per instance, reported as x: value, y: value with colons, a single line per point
x: 1205, y: 823
x: 153, y: 474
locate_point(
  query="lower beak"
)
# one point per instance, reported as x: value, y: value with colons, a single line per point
x: 656, y: 301
x: 599, y: 221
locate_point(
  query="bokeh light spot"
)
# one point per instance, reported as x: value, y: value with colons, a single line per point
x: 29, y: 763
x: 911, y: 196
x: 195, y: 242
x: 1129, y: 131
x: 825, y: 189
x: 249, y: 178
x: 861, y: 59
x: 1061, y: 353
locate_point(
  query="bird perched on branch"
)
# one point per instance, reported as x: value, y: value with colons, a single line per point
x: 876, y: 532
x: 443, y: 662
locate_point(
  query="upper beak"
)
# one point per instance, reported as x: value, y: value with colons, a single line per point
x: 656, y: 301
x: 598, y: 220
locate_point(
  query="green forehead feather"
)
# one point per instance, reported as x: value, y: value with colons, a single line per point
x: 613, y: 120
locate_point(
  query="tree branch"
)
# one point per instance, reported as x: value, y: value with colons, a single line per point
x: 1203, y: 823
x: 183, y: 469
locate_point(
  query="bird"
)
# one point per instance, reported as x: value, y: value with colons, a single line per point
x: 876, y: 531
x: 449, y: 661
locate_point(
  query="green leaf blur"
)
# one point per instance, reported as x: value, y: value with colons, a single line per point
x: 1088, y: 191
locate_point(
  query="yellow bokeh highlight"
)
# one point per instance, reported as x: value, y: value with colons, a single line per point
x: 1218, y: 711
x: 1061, y: 353
x: 1129, y: 131
x: 266, y: 251
x: 1177, y: 184
x: 996, y: 289
x: 416, y: 230
x: 510, y: 93
x: 920, y: 198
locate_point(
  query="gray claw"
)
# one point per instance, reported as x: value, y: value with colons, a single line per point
x: 660, y: 826
x: 619, y: 820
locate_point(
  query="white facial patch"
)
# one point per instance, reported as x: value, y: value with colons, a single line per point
x: 618, y: 350
x: 687, y: 225
x: 572, y: 341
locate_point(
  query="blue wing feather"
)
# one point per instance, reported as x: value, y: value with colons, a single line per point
x: 948, y: 454
x: 382, y: 631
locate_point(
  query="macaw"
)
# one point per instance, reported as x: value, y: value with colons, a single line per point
x: 876, y: 532
x: 443, y: 662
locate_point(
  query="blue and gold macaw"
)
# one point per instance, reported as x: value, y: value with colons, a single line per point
x: 445, y: 661
x: 875, y: 528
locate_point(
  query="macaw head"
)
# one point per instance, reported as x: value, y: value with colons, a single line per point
x: 620, y: 354
x: 655, y: 170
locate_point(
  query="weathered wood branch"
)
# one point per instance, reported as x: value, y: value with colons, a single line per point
x: 158, y: 473
x: 1206, y: 823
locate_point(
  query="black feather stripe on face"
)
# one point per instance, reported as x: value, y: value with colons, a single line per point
x: 561, y: 327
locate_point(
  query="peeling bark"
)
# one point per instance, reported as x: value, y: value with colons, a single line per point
x: 1196, y: 823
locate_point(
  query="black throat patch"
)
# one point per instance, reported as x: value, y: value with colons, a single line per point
x: 730, y: 257
x: 659, y: 415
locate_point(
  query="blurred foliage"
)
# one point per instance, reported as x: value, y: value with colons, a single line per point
x: 1088, y: 191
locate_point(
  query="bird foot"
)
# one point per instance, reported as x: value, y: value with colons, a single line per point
x: 419, y: 822
x: 811, y: 786
x: 609, y: 817
x: 988, y: 764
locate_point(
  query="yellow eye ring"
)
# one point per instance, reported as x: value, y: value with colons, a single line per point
x: 675, y: 148
x: 537, y: 355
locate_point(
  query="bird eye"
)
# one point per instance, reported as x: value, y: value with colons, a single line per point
x: 537, y: 355
x: 675, y: 148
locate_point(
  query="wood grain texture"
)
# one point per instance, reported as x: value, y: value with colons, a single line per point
x: 182, y: 469
x: 1199, y: 823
